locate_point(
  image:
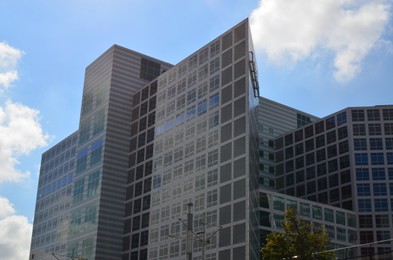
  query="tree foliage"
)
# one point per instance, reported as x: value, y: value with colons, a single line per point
x: 299, y: 241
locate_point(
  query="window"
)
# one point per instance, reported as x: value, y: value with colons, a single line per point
x: 92, y: 184
x: 374, y: 129
x: 214, y: 119
x: 361, y: 159
x: 81, y: 161
x: 389, y: 158
x: 363, y: 189
x: 377, y: 159
x: 214, y: 101
x: 378, y: 174
x: 215, y: 65
x: 388, y: 128
x: 387, y: 114
x: 381, y: 204
x: 202, y: 90
x: 191, y: 96
x: 78, y: 190
x: 382, y: 221
x: 359, y: 129
x: 212, y: 158
x: 389, y: 143
x: 380, y: 189
x: 213, y: 138
x: 365, y: 221
x: 357, y: 115
x: 98, y: 125
x: 341, y: 118
x: 212, y: 198
x: 376, y: 144
x: 212, y: 177
x: 200, y: 162
x: 362, y: 174
x: 364, y: 205
x: 342, y: 132
x: 360, y: 144
x: 214, y: 83
x: 96, y: 152
x: 373, y: 115
x: 201, y: 144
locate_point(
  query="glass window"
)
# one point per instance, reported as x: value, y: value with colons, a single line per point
x: 361, y: 159
x: 360, y: 144
x: 381, y: 204
x: 378, y: 174
x: 278, y: 203
x: 373, y: 115
x: 359, y: 129
x: 340, y: 217
x: 389, y: 158
x: 362, y: 174
x: 357, y: 115
x: 317, y: 212
x: 389, y: 143
x: 363, y: 189
x: 380, y: 189
x: 374, y: 129
x: 329, y: 215
x: 387, y: 114
x: 341, y: 118
x: 305, y: 209
x: 92, y: 184
x: 377, y: 159
x: 376, y: 144
x: 388, y: 128
x: 382, y: 221
x: 364, y: 205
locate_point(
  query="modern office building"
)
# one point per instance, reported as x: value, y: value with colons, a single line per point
x: 158, y: 144
x: 275, y: 119
x: 344, y: 160
x: 54, y: 196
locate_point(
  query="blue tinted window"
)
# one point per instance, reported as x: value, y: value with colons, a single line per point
x: 378, y: 173
x: 361, y: 159
x: 362, y: 174
x: 389, y: 158
x: 363, y: 189
x: 381, y: 204
x: 214, y: 101
x: 360, y: 144
x: 377, y: 159
x: 364, y: 205
x: 380, y: 189
x: 202, y: 107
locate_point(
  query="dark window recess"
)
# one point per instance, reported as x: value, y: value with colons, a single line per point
x: 148, y: 168
x: 138, y: 189
x: 142, y: 124
x: 145, y: 93
x: 149, y: 151
x: 153, y: 88
x: 130, y: 192
x: 144, y: 108
x: 146, y: 202
x: 152, y: 103
x: 149, y: 69
x: 139, y: 172
x: 135, y: 114
x: 147, y: 185
x: 150, y: 135
x: 151, y: 119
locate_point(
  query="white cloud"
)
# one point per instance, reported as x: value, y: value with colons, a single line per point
x: 20, y: 133
x: 6, y: 208
x: 292, y: 30
x: 9, y: 57
x: 15, y: 233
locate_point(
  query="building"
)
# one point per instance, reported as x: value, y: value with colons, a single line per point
x: 159, y: 143
x: 344, y: 160
x: 275, y: 119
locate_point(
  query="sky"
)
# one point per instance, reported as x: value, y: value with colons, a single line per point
x: 316, y: 56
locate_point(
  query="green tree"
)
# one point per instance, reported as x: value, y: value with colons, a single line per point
x: 298, y: 241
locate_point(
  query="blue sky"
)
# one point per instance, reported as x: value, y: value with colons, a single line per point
x: 318, y: 56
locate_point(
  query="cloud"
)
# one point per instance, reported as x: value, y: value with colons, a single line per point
x: 20, y: 133
x: 293, y: 30
x: 9, y: 57
x: 15, y: 233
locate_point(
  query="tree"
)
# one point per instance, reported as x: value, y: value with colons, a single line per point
x: 299, y: 241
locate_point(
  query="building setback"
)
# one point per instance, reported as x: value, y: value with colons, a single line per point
x: 159, y: 143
